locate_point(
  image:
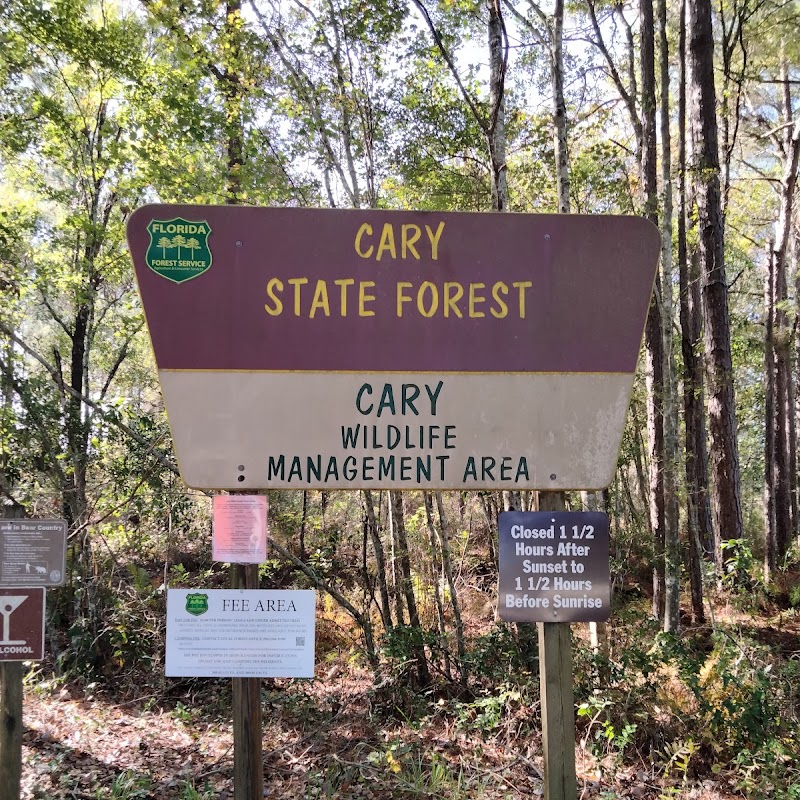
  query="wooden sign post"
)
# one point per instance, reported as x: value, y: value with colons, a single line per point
x: 555, y: 694
x: 11, y: 728
x: 21, y: 639
x: 558, y: 710
x: 248, y: 769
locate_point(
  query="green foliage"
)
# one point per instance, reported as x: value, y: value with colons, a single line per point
x: 395, y: 770
x: 495, y: 655
x: 120, y: 633
x: 128, y: 785
x: 190, y: 792
x: 599, y: 177
x: 106, y: 105
x: 185, y: 713
x: 400, y: 645
x: 738, y: 563
x: 490, y: 712
x: 695, y: 709
x: 602, y: 738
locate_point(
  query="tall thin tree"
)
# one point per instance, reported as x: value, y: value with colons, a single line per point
x: 724, y: 450
x: 698, y: 512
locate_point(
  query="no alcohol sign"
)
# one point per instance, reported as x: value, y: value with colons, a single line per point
x: 21, y: 624
x: 554, y: 567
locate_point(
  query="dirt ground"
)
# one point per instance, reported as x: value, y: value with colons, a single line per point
x: 320, y: 739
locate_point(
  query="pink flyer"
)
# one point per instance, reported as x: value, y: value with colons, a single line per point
x: 240, y: 529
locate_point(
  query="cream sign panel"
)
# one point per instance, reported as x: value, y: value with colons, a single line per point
x: 302, y: 348
x: 356, y: 431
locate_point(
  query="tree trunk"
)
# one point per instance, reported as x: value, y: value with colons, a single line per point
x: 560, y: 140
x: 490, y: 514
x: 232, y: 88
x: 437, y: 573
x: 447, y: 563
x: 724, y: 452
x: 672, y: 555
x: 496, y: 131
x: 654, y: 342
x: 781, y: 334
x: 303, y: 521
x: 796, y: 409
x: 407, y: 585
x: 770, y: 533
x: 395, y: 550
x: 785, y: 500
x: 694, y: 437
x: 380, y: 561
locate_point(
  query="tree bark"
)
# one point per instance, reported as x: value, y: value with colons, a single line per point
x: 781, y: 407
x: 397, y: 593
x: 447, y: 562
x: 785, y: 500
x: 654, y: 343
x: 796, y: 409
x: 695, y: 438
x: 437, y: 562
x: 724, y: 451
x: 496, y: 129
x: 672, y: 556
x: 380, y: 561
x: 560, y: 140
x: 233, y: 93
x: 407, y: 584
x: 770, y: 533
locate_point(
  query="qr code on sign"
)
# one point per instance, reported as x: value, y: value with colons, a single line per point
x: 300, y: 641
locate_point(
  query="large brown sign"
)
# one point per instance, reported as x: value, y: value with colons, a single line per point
x: 21, y: 624
x: 304, y: 348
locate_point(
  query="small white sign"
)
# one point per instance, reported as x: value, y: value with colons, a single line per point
x: 240, y: 633
x: 240, y: 529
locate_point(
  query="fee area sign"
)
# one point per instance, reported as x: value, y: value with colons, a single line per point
x: 240, y: 633
x: 554, y: 567
x: 319, y: 348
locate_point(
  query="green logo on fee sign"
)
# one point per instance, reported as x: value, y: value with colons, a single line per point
x: 178, y: 248
x: 197, y: 604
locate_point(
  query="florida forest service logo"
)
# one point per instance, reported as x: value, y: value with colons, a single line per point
x: 197, y: 604
x: 178, y: 248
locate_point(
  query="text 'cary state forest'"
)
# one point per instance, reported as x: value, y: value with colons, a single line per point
x: 340, y: 296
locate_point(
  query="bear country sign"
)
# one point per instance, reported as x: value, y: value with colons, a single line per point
x: 311, y: 348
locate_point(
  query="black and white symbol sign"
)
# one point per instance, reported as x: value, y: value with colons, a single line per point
x: 554, y: 566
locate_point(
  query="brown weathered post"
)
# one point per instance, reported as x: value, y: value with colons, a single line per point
x: 555, y: 690
x: 10, y: 729
x: 558, y: 710
x: 248, y: 770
